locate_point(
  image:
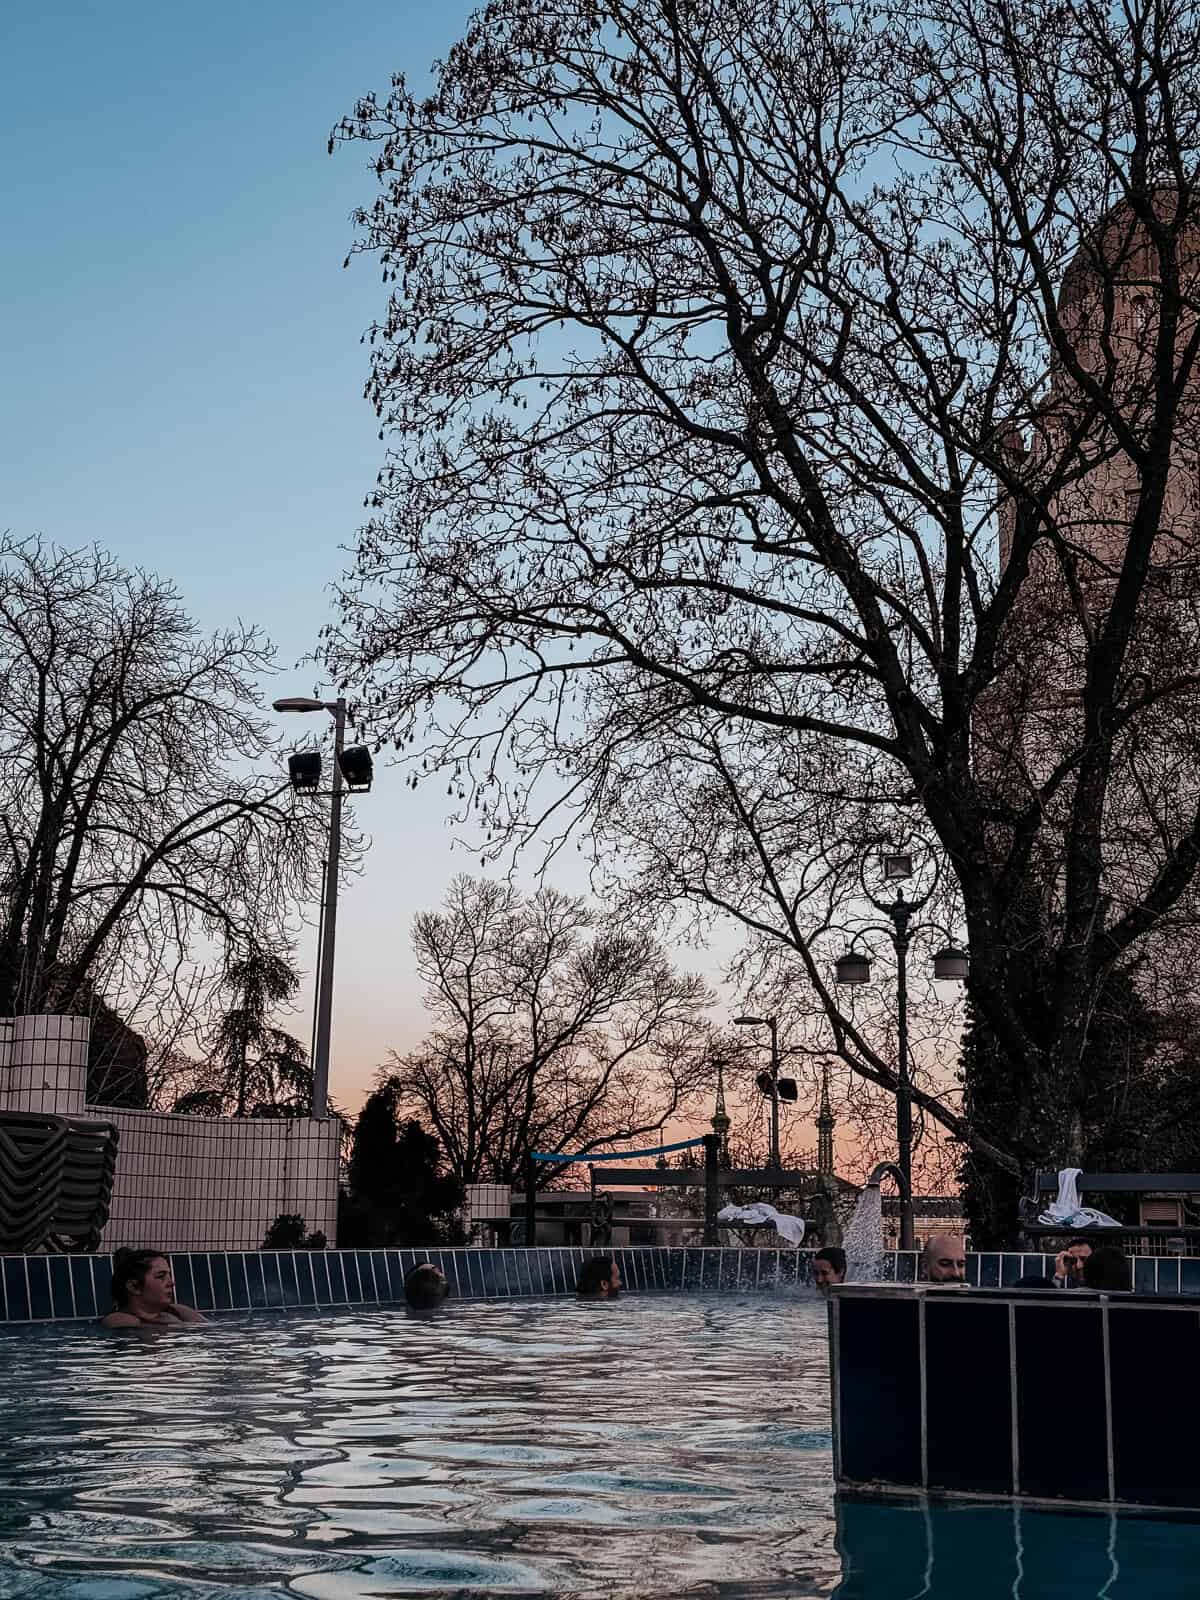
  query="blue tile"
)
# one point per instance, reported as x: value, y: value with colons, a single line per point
x: 41, y: 1305
x: 102, y: 1277
x: 202, y: 1282
x: 391, y: 1285
x: 288, y: 1279
x: 256, y: 1280
x: 366, y: 1275
x: 484, y: 1272
x: 1010, y: 1269
x: 269, y: 1262
x: 621, y: 1257
x: 60, y: 1286
x: 301, y: 1265
x: 904, y: 1268
x: 222, y: 1289
x: 181, y: 1271
x: 85, y: 1292
x: 1143, y: 1274
x: 15, y: 1289
x: 507, y: 1282
x: 539, y: 1266
x: 1168, y: 1276
x: 974, y: 1266
x: 789, y: 1265
x: 383, y: 1282
x: 239, y: 1288
x: 525, y: 1273
x: 321, y: 1285
x: 989, y: 1270
x: 335, y: 1265
x: 1189, y: 1275
x: 354, y: 1290
x: 396, y: 1272
x: 557, y: 1280
x: 467, y: 1277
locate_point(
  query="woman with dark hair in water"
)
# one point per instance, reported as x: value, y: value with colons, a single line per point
x: 143, y: 1291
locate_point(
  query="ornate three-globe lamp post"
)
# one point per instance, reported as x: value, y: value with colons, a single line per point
x: 855, y: 967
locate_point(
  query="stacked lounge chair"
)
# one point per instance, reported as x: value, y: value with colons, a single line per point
x: 56, y: 1181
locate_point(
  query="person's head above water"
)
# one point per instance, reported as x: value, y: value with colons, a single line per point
x: 1107, y: 1268
x: 599, y: 1279
x: 944, y: 1259
x: 829, y: 1267
x: 142, y: 1282
x: 425, y: 1287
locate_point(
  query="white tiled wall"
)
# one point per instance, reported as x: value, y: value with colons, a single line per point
x: 198, y: 1183
x: 183, y: 1183
x: 43, y: 1064
x: 488, y: 1202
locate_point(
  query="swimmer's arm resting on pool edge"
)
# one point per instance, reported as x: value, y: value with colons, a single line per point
x: 169, y: 1314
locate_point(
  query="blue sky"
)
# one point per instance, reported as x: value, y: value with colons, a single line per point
x: 183, y: 371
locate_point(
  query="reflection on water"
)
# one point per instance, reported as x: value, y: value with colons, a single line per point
x: 658, y: 1447
x: 951, y: 1551
x: 650, y: 1448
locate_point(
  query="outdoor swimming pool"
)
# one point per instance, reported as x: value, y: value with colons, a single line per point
x: 654, y: 1447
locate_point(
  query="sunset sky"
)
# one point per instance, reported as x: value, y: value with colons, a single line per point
x: 183, y: 359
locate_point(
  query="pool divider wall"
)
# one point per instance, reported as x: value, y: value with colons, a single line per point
x: 1044, y: 1396
x: 55, y: 1288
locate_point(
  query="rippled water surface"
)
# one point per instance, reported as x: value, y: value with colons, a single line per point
x: 649, y: 1447
x: 665, y: 1448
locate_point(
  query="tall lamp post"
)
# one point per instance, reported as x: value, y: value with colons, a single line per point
x: 854, y: 967
x: 353, y: 766
x: 773, y: 1024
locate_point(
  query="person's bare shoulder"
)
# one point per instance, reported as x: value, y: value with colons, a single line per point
x: 185, y: 1313
x: 119, y: 1319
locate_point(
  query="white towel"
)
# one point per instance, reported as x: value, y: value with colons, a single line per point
x: 1066, y: 1212
x: 792, y: 1228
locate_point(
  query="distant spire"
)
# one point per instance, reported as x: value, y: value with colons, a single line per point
x: 825, y: 1129
x: 720, y: 1118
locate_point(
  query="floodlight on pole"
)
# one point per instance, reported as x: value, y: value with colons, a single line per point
x: 773, y: 1087
x: 337, y: 710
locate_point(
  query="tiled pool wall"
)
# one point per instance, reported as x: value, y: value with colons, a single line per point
x: 55, y: 1288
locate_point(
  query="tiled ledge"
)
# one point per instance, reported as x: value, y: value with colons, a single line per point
x: 53, y: 1288
x: 56, y: 1288
x: 999, y: 1270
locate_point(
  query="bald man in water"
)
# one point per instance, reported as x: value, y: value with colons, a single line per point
x: 944, y: 1259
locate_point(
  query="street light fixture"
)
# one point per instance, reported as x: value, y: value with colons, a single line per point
x: 302, y: 764
x: 854, y: 967
x: 772, y: 1088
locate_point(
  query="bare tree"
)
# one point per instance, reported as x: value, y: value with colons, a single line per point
x: 146, y: 840
x: 555, y: 1028
x: 818, y: 382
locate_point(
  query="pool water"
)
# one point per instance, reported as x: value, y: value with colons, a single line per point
x: 652, y: 1447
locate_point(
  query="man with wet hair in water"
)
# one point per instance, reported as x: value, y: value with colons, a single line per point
x: 143, y: 1291
x: 599, y: 1279
x: 828, y: 1268
x: 425, y: 1287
